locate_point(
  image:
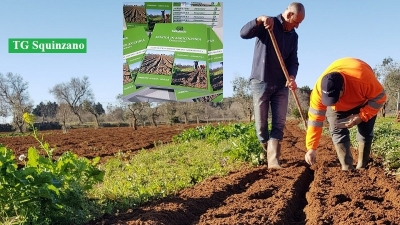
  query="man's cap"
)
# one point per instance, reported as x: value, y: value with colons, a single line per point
x: 331, y: 85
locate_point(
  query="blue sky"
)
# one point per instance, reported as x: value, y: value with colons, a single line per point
x: 332, y: 29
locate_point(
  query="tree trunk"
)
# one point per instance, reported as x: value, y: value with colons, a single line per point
x: 64, y: 126
x: 18, y: 123
x: 97, y: 121
x: 250, y: 115
x: 20, y: 128
x: 79, y: 117
x: 134, y: 125
x: 197, y: 118
x: 186, y: 118
x: 154, y: 121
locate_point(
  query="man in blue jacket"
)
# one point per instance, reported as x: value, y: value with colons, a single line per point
x: 268, y: 81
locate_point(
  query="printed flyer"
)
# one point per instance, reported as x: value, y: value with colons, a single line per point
x: 136, y: 90
x: 135, y: 41
x: 176, y: 58
x: 135, y: 15
x: 192, y: 96
x: 147, y: 14
x: 196, y: 12
x: 215, y: 67
x: 157, y: 12
x: 183, y: 86
x: 214, y: 70
x: 210, y: 98
x: 156, y: 94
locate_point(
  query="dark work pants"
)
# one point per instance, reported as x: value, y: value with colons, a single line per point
x: 264, y: 96
x: 365, y: 130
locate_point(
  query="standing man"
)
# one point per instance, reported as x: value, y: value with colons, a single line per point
x: 268, y: 81
x: 354, y: 95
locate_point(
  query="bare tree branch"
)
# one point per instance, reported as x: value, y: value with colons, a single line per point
x: 74, y: 93
x: 14, y: 98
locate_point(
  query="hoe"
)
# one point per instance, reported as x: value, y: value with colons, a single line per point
x: 278, y: 53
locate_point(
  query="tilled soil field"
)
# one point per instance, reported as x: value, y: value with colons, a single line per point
x: 103, y: 142
x: 126, y: 74
x: 134, y: 14
x: 195, y: 79
x: 217, y: 82
x: 157, y: 64
x: 297, y: 194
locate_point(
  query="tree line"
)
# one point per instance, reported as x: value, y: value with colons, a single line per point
x: 75, y: 103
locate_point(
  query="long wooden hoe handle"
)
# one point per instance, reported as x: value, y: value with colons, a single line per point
x: 278, y: 53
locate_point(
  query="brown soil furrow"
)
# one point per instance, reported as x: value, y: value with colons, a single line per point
x: 297, y: 194
x: 249, y: 196
x: 281, y: 197
x: 351, y: 197
x: 104, y: 142
x: 274, y: 198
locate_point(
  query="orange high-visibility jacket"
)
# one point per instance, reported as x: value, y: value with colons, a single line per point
x: 360, y: 87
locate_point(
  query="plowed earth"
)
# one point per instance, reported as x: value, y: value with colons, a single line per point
x: 134, y: 14
x: 103, y: 142
x: 195, y: 79
x: 297, y: 194
x: 217, y: 82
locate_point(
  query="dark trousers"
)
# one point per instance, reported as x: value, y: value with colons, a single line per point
x: 264, y: 96
x: 365, y: 130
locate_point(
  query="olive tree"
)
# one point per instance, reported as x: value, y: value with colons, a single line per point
x: 242, y: 94
x: 14, y: 98
x: 388, y: 74
x: 74, y: 93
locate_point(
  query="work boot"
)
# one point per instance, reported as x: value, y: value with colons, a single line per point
x: 273, y: 154
x: 344, y: 154
x: 364, y: 149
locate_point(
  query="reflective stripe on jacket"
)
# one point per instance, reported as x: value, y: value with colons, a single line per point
x: 360, y: 87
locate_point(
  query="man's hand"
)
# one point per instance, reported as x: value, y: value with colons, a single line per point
x: 268, y: 22
x: 291, y: 84
x: 310, y: 156
x: 353, y: 121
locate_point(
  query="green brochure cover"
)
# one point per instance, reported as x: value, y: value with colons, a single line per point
x: 191, y: 96
x: 176, y: 58
x: 135, y: 41
x: 158, y: 12
x: 182, y: 95
x: 135, y: 15
x: 215, y: 68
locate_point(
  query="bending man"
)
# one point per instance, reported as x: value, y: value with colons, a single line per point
x: 349, y: 91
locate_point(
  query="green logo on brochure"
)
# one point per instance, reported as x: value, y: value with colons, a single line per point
x: 47, y: 45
